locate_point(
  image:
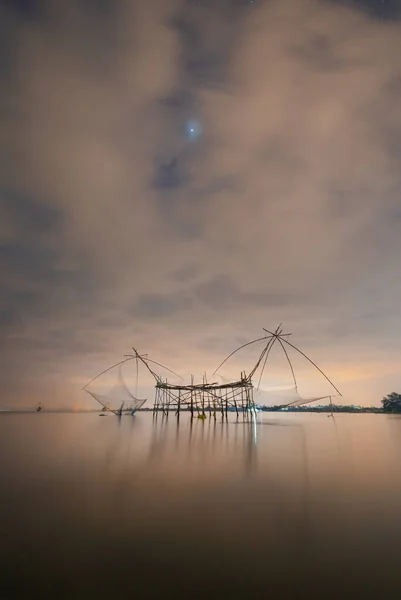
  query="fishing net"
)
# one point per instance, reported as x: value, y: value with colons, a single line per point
x: 286, y: 397
x: 275, y: 395
x: 278, y: 396
x: 111, y: 391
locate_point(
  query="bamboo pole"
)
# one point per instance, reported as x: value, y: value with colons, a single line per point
x: 236, y: 408
x: 192, y: 399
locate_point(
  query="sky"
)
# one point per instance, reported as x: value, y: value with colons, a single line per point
x: 176, y: 175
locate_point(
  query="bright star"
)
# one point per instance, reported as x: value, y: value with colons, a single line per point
x: 193, y: 130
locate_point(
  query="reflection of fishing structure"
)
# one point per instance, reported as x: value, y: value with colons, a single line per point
x: 188, y: 440
x: 213, y: 397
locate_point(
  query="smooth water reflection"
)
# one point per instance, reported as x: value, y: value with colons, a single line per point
x: 290, y: 505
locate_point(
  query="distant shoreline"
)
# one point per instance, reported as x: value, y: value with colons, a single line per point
x: 293, y: 409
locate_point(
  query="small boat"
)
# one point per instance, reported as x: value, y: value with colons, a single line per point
x: 39, y: 408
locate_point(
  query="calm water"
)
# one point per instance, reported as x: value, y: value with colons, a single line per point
x: 295, y: 506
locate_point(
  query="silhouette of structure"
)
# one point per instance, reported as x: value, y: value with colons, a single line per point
x: 212, y: 397
x: 237, y: 395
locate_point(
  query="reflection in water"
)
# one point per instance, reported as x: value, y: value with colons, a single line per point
x: 271, y: 505
x: 237, y: 438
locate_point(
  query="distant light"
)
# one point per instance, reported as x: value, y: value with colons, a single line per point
x: 193, y: 130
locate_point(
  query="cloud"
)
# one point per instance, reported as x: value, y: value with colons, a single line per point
x: 380, y: 10
x: 328, y: 148
x: 115, y: 227
x: 80, y: 120
x: 155, y: 306
x: 168, y: 175
x: 223, y: 293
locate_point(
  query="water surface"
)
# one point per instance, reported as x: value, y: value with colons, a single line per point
x: 289, y: 506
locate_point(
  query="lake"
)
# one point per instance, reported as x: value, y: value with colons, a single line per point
x: 288, y: 506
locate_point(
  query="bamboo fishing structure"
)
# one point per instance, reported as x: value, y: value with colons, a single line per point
x: 204, y: 397
x: 214, y: 397
x: 235, y: 396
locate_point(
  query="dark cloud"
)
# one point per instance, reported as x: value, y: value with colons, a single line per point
x: 29, y: 259
x: 200, y: 63
x: 26, y: 9
x: 158, y: 306
x: 170, y: 175
x: 380, y: 9
x: 223, y: 293
x: 35, y: 255
x: 178, y: 101
x: 102, y: 7
x: 41, y: 278
x: 208, y: 32
x: 319, y: 52
x: 28, y: 215
x: 9, y: 317
x: 61, y: 342
x: 186, y: 273
x: 37, y: 284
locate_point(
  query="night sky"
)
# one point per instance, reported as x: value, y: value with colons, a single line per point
x: 178, y: 174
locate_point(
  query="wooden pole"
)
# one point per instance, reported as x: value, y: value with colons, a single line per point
x: 236, y: 407
x: 179, y: 404
x: 192, y: 398
x: 203, y: 398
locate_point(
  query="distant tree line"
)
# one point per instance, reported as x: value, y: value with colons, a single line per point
x: 392, y: 403
x: 326, y: 408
